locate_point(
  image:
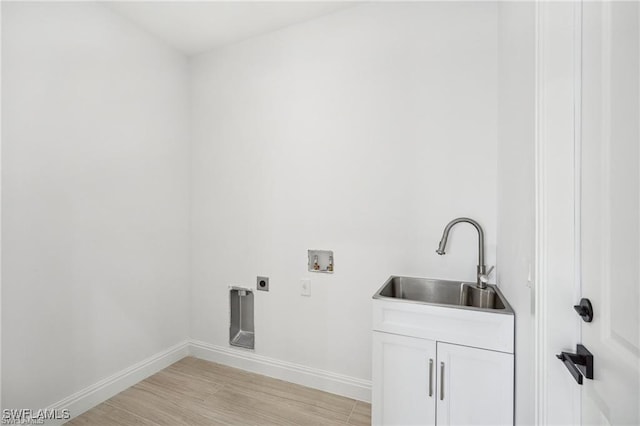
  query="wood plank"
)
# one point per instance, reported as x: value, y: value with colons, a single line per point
x: 159, y: 410
x: 105, y: 414
x: 182, y: 385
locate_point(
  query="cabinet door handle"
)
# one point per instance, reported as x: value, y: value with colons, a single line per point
x: 430, y: 377
x: 441, y: 381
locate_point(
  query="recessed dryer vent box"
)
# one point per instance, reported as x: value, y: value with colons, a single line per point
x: 241, y: 329
x: 321, y: 261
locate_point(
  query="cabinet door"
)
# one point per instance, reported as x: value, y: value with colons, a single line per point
x: 475, y: 386
x: 404, y: 380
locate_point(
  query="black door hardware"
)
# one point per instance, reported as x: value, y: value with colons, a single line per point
x: 579, y: 364
x: 585, y: 310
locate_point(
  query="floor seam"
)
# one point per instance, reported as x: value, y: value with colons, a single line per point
x: 352, y: 410
x: 117, y: 407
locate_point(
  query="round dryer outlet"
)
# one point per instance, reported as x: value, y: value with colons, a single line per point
x: 262, y: 283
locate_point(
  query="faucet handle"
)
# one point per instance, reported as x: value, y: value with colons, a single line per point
x: 485, y: 277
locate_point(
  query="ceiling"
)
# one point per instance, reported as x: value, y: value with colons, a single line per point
x: 197, y: 26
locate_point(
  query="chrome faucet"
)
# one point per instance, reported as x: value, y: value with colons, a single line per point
x: 483, y: 275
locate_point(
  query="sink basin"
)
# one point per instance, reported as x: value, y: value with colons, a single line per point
x: 442, y: 292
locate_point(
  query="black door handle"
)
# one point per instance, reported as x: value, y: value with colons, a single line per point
x: 579, y: 364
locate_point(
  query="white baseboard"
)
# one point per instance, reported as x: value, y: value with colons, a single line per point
x: 99, y: 392
x: 295, y: 373
x: 315, y: 378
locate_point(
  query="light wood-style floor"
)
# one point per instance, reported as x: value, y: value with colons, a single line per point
x: 197, y: 392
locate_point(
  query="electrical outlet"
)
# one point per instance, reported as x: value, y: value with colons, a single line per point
x: 305, y: 287
x: 262, y: 283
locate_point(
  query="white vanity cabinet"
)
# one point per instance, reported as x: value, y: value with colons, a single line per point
x: 431, y: 367
x: 475, y: 386
x: 404, y: 377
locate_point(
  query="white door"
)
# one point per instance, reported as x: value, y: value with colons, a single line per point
x: 588, y: 209
x: 404, y: 375
x: 610, y: 210
x: 475, y: 386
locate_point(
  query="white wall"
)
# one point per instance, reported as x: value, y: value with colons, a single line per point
x: 363, y: 132
x: 516, y: 220
x: 94, y: 198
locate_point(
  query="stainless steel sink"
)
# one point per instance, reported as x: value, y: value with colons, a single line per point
x: 441, y: 292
